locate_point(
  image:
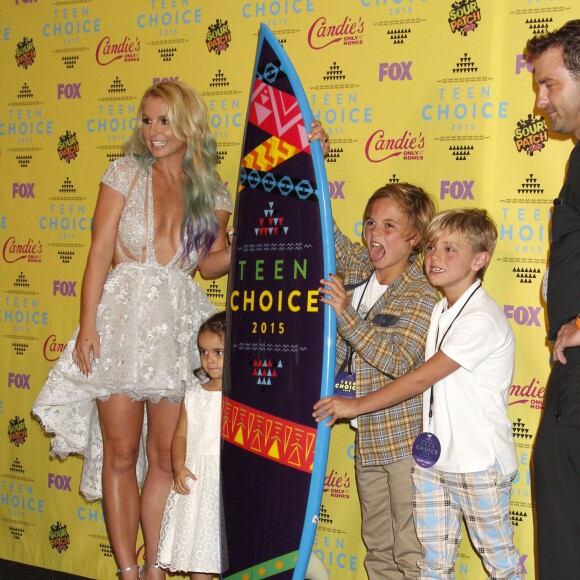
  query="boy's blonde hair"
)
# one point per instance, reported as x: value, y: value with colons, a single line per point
x: 414, y: 201
x: 474, y: 224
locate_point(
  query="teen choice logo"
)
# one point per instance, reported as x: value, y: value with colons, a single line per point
x: 531, y: 134
x: 464, y: 16
x: 68, y: 147
x: 25, y: 53
x: 59, y: 537
x: 17, y: 432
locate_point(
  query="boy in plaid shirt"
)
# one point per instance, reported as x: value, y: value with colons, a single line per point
x: 383, y: 304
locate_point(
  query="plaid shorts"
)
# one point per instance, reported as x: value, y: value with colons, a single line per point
x: 441, y: 500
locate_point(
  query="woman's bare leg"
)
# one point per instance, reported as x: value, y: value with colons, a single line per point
x: 161, y: 422
x: 121, y: 421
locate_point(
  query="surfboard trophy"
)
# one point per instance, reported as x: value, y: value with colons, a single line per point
x: 281, y: 340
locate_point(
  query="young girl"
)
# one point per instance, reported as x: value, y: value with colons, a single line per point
x: 189, y: 538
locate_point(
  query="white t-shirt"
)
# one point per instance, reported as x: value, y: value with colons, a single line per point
x: 470, y: 405
x: 364, y: 296
x: 363, y: 299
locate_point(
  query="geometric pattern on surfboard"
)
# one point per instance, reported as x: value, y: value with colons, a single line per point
x: 271, y: 224
x: 269, y: 154
x: 265, y: 370
x: 278, y: 113
x: 270, y: 72
x: 268, y: 181
x: 284, y: 442
x: 267, y: 569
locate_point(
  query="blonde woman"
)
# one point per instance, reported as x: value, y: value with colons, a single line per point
x: 161, y: 214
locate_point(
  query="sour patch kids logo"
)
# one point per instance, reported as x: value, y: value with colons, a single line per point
x: 464, y: 16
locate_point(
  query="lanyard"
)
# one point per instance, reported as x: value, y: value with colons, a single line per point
x: 432, y: 397
x: 350, y: 351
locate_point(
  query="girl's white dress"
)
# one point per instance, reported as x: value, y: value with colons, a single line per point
x: 190, y: 529
x: 147, y: 321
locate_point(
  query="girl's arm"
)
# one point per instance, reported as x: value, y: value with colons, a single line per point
x: 217, y: 262
x: 435, y: 369
x: 178, y: 449
x: 106, y: 218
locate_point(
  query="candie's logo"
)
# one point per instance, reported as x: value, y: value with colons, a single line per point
x: 17, y: 432
x: 13, y: 251
x: 109, y: 51
x: 52, y: 349
x: 59, y: 537
x: 218, y: 37
x: 68, y: 147
x: 531, y: 134
x: 25, y: 53
x: 532, y: 394
x: 464, y: 16
x: 380, y: 148
x: 323, y: 34
x: 339, y: 486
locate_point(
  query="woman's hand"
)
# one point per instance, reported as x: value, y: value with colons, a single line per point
x: 88, y: 344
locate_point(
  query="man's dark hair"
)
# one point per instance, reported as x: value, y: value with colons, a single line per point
x: 567, y: 37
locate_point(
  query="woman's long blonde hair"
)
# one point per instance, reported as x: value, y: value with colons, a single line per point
x: 187, y: 116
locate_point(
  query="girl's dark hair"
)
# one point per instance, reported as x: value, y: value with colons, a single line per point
x: 217, y: 325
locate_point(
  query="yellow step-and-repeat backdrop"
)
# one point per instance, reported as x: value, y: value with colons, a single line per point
x: 435, y: 92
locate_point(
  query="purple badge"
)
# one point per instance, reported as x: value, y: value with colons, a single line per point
x: 426, y: 450
x: 345, y: 385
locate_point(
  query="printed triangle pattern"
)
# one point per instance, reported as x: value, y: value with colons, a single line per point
x: 278, y: 113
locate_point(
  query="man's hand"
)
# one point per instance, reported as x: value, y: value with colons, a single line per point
x: 568, y: 335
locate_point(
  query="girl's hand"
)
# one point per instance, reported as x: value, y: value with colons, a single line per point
x: 88, y: 343
x: 180, y: 480
x: 336, y: 408
x: 334, y: 293
x: 317, y: 132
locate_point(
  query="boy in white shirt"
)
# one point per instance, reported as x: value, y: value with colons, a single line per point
x: 467, y: 432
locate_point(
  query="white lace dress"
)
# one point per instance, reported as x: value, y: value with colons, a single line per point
x: 147, y: 321
x: 189, y: 540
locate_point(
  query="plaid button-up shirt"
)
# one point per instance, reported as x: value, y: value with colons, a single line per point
x: 389, y: 342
